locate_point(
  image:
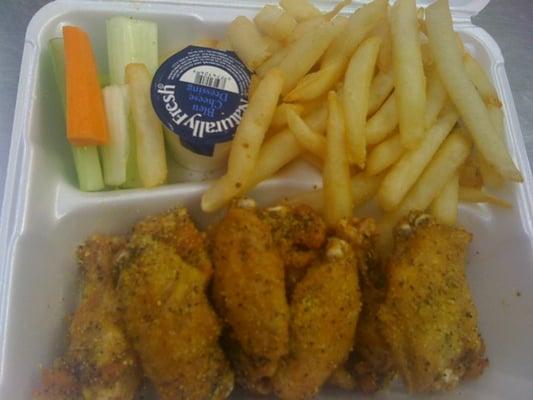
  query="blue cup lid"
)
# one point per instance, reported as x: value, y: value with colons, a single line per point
x: 200, y: 94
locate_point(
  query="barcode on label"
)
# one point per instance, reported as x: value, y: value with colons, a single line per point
x: 210, y: 80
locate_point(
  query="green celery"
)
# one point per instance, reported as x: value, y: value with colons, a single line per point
x: 86, y: 158
x: 130, y: 41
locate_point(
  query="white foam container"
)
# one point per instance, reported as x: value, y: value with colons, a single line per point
x: 44, y: 215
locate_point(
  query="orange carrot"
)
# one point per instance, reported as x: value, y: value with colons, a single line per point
x: 86, y: 121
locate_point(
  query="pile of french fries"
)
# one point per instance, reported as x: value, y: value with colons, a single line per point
x: 386, y: 101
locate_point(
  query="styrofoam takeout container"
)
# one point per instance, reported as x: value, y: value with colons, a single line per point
x: 45, y: 216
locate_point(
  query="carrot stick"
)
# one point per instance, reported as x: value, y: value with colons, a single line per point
x: 86, y: 121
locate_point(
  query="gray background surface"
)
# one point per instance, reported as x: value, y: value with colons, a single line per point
x: 510, y: 22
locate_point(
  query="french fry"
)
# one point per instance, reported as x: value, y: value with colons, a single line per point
x: 405, y: 172
x: 279, y: 120
x: 336, y: 174
x: 459, y: 42
x: 382, y: 31
x: 206, y: 42
x: 309, y: 24
x: 281, y: 149
x: 383, y: 122
x: 312, y: 160
x: 427, y: 57
x: 300, y: 9
x: 355, y: 96
x: 469, y: 173
x: 273, y: 45
x: 337, y: 9
x: 149, y: 141
x: 435, y: 99
x: 444, y: 206
x: 360, y: 23
x: 481, y: 81
x: 303, y: 54
x: 338, y: 54
x: 384, y: 155
x: 491, y: 177
x: 248, y: 43
x: 478, y: 195
x: 450, y: 156
x: 275, y: 22
x: 305, y: 27
x: 409, y: 80
x: 438, y: 173
x: 364, y: 188
x: 246, y: 143
x: 272, y: 62
x: 315, y: 84
x: 382, y: 86
x: 310, y: 140
x: 224, y: 45
x: 254, y: 82
x: 312, y: 105
x: 421, y: 19
x: 449, y: 61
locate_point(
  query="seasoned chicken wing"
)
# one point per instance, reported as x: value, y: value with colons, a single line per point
x: 369, y: 367
x: 324, y: 310
x: 99, y: 363
x: 166, y: 311
x: 430, y: 321
x: 249, y: 293
x: 370, y: 364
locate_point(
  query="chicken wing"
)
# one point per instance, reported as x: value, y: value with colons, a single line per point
x: 370, y: 364
x: 99, y: 363
x: 369, y: 367
x: 324, y: 310
x: 430, y: 321
x: 167, y: 314
x: 249, y: 294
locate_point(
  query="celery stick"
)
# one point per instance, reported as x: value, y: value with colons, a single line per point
x: 130, y: 41
x: 88, y: 168
x: 57, y: 51
x: 104, y: 79
x: 86, y: 158
x: 115, y: 153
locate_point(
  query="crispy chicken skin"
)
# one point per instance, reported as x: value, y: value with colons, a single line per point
x: 429, y: 319
x: 166, y: 311
x: 249, y: 293
x: 99, y: 363
x: 324, y: 310
x: 177, y: 229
